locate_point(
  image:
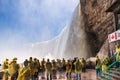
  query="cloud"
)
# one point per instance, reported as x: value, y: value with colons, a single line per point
x: 46, y: 13
x: 56, y: 9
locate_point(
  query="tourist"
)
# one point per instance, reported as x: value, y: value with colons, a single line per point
x: 42, y: 68
x: 63, y: 64
x: 13, y: 69
x: 5, y: 69
x: 25, y: 72
x: 83, y: 65
x: 78, y: 69
x: 48, y: 69
x: 107, y: 61
x: 98, y: 67
x: 118, y: 59
x: 31, y: 65
x: 54, y: 69
x: 59, y: 64
x: 73, y: 66
x: 68, y: 69
x: 117, y: 48
x: 36, y: 65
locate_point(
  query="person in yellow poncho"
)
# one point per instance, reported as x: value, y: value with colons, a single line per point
x: 54, y: 69
x: 68, y: 69
x: 42, y: 68
x: 36, y: 65
x: 83, y: 62
x: 25, y: 72
x: 13, y: 69
x: 48, y: 69
x: 78, y: 69
x: 5, y: 69
x: 31, y: 65
x: 117, y: 48
x: 63, y: 64
x: 98, y: 67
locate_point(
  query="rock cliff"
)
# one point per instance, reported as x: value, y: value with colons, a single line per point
x: 99, y: 25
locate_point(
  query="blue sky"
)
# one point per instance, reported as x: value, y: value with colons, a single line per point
x: 29, y: 21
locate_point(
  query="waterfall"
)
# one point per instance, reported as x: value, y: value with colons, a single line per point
x: 77, y: 44
x: 71, y: 42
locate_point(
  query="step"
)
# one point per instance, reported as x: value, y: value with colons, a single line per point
x: 115, y: 77
x: 115, y: 72
x: 105, y: 76
x: 99, y: 78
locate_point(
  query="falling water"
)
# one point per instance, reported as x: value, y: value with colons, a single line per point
x: 72, y: 42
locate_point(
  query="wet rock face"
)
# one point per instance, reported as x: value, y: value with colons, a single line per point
x: 96, y: 11
x: 99, y: 23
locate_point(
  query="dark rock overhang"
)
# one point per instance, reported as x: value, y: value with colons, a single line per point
x: 115, y: 7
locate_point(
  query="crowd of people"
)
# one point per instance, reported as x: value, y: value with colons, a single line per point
x: 32, y: 68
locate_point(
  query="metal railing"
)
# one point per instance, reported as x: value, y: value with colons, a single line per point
x: 108, y: 68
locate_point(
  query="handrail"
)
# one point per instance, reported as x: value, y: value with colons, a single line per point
x: 108, y: 68
x: 111, y: 65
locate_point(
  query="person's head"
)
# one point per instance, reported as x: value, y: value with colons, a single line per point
x: 117, y: 45
x: 67, y: 60
x: 48, y: 60
x: 6, y: 62
x: 82, y: 58
x: 35, y: 59
x: 26, y: 63
x: 30, y: 59
x: 26, y: 59
x: 43, y: 59
x: 77, y: 59
x: 15, y: 59
x: 38, y: 60
x: 6, y: 59
x: 97, y: 57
